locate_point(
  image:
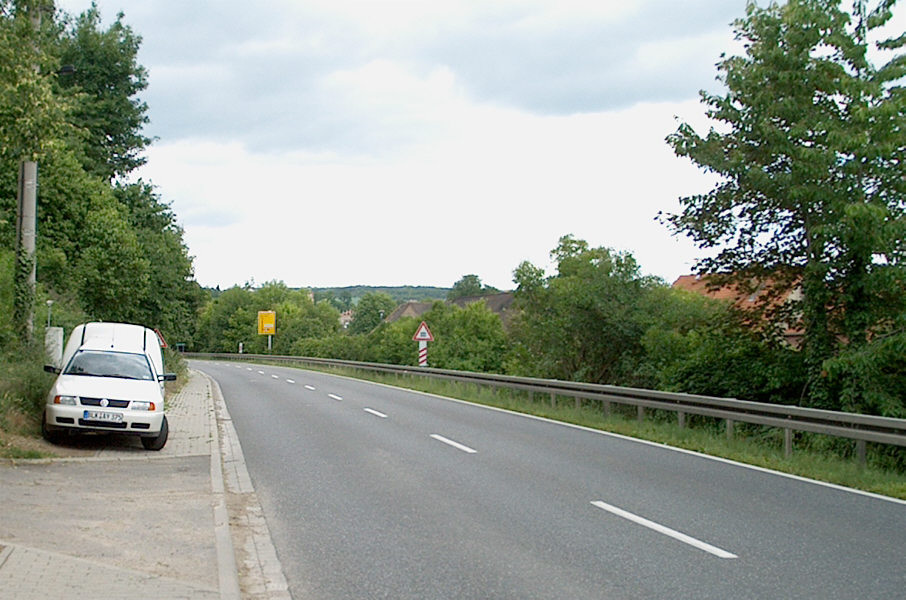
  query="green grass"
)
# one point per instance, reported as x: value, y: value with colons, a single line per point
x: 814, y: 456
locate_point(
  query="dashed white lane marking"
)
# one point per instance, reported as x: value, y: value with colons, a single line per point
x: 334, y: 397
x: 450, y: 442
x: 290, y: 381
x: 664, y: 530
x: 310, y: 387
x: 376, y: 413
x: 275, y: 376
x: 261, y: 372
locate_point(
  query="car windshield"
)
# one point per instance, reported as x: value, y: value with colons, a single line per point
x: 110, y: 364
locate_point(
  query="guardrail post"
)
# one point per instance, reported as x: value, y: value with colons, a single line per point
x: 730, y: 427
x: 861, y: 453
x: 641, y: 413
x: 787, y: 442
x: 608, y: 409
x: 681, y: 419
x: 578, y: 402
x: 553, y: 400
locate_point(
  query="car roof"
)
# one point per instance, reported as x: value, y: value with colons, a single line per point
x: 119, y: 337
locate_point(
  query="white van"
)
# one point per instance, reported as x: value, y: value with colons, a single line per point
x: 111, y: 380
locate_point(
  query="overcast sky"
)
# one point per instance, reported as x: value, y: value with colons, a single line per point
x: 332, y: 142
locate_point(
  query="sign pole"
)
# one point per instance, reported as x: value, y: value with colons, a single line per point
x: 423, y: 336
x: 422, y: 353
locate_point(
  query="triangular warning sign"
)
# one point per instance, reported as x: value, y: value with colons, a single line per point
x: 423, y: 334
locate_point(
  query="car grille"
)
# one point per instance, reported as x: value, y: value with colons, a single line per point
x: 110, y: 403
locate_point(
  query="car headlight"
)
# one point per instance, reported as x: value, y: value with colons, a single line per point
x: 67, y: 400
x: 141, y: 405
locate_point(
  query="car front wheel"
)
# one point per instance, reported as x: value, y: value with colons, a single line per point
x: 157, y: 442
x: 51, y: 435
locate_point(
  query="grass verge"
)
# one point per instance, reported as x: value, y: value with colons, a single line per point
x: 23, y: 387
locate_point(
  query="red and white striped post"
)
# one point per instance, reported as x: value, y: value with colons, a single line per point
x: 423, y: 336
x: 422, y: 353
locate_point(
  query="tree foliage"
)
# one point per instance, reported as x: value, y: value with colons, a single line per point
x: 232, y: 318
x: 107, y: 79
x: 810, y: 158
x: 465, y: 339
x: 111, y: 247
x: 469, y: 285
x: 370, y: 311
x: 586, y: 322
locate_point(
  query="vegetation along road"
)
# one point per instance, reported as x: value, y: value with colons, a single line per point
x: 372, y: 491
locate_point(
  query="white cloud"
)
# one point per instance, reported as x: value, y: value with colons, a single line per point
x: 340, y: 143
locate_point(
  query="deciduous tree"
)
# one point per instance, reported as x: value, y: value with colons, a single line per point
x: 809, y: 152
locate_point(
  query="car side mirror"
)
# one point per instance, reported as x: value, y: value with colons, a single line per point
x: 168, y: 377
x: 52, y: 369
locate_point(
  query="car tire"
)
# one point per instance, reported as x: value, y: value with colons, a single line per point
x: 157, y: 442
x: 48, y: 434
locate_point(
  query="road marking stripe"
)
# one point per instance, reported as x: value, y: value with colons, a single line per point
x: 450, y: 442
x: 261, y: 372
x: 664, y: 530
x: 310, y: 387
x: 335, y: 397
x: 375, y: 413
x: 275, y: 376
x: 290, y: 381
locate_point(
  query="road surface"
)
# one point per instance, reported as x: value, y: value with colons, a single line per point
x: 376, y: 492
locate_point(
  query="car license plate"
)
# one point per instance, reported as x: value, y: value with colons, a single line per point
x: 97, y: 415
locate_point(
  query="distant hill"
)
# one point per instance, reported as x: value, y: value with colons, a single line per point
x: 354, y: 293
x: 401, y: 294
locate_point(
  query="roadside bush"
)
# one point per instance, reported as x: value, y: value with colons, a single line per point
x: 871, y: 379
x: 340, y: 347
x: 23, y: 385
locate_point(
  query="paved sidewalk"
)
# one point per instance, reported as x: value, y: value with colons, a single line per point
x: 123, y: 522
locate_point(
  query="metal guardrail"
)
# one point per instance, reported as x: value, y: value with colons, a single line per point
x: 862, y: 428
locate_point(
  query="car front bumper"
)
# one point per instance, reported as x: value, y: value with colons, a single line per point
x: 83, y: 419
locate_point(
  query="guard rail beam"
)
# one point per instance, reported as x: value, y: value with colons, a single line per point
x: 862, y: 428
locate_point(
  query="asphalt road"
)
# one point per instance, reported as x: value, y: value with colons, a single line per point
x: 376, y: 492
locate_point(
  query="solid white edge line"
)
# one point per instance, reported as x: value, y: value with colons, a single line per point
x: 627, y: 438
x: 682, y: 537
x: 450, y: 442
x: 334, y: 397
x: 375, y: 413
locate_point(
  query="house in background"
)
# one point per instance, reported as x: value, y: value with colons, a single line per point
x: 411, y: 308
x: 746, y: 300
x: 498, y: 303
